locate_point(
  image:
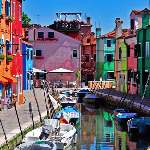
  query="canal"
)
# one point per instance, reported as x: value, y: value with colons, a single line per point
x: 97, y: 130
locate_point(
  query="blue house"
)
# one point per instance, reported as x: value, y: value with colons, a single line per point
x: 27, y: 65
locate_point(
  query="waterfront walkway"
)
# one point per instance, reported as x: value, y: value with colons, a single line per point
x: 9, y: 118
x: 126, y: 97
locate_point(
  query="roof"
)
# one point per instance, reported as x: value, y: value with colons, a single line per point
x: 125, y: 32
x: 27, y: 43
x: 138, y: 12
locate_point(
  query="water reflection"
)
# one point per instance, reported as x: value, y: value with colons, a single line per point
x: 100, y: 132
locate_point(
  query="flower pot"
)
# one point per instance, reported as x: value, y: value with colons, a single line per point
x: 1, y: 59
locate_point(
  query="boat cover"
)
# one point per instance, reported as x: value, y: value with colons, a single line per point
x: 90, y: 96
x: 84, y: 91
x: 71, y: 111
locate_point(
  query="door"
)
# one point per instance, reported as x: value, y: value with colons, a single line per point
x: 17, y: 89
x: 120, y: 81
x: 123, y: 82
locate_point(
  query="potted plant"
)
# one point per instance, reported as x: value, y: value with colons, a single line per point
x: 2, y: 56
x: 11, y: 19
x: 10, y: 57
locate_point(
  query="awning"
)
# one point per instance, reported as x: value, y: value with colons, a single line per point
x: 38, y: 70
x: 61, y: 70
x: 2, y: 79
x: 10, y: 78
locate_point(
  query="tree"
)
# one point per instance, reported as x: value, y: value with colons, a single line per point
x: 25, y: 18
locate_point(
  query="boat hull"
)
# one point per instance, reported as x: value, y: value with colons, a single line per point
x: 65, y: 104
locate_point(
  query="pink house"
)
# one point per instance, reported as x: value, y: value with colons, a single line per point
x: 54, y: 50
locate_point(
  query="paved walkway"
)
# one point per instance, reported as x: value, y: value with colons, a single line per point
x: 129, y: 97
x: 9, y: 118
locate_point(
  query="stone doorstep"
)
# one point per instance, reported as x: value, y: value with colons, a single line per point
x: 24, y: 126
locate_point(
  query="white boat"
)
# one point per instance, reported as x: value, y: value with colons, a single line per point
x: 65, y: 137
x: 68, y: 101
x: 52, y: 130
x: 36, y: 145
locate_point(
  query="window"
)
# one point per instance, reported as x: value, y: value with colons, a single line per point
x: 19, y: 13
x: 94, y: 57
x: 14, y: 9
x: 132, y: 24
x: 20, y: 84
x: 41, y: 75
x: 7, y: 9
x: 1, y: 48
x: 137, y: 50
x: 129, y: 75
x: 87, y: 58
x: 120, y: 53
x: 108, y: 43
x: 40, y: 34
x: 38, y: 52
x: 0, y: 6
x: 109, y: 75
x: 109, y: 57
x: 31, y: 54
x: 14, y: 51
x: 27, y: 54
x: 88, y: 40
x: 74, y: 53
x: 28, y: 76
x: 14, y: 86
x: 128, y: 50
x: 20, y: 46
x: 50, y: 34
x: 147, y: 49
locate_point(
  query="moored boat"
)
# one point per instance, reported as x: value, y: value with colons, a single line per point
x: 82, y: 93
x: 124, y: 117
x: 73, y: 114
x: 91, y: 98
x: 68, y: 101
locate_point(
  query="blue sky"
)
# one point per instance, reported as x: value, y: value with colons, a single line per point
x: 103, y: 11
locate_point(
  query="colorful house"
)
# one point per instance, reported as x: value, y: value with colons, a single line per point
x: 107, y: 47
x: 88, y: 52
x: 16, y: 38
x: 6, y: 79
x: 143, y: 52
x: 27, y: 65
x: 54, y: 50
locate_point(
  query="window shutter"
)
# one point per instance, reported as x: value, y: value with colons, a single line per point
x: 8, y: 8
x: 1, y: 48
x: 106, y: 57
x: 0, y: 6
x: 7, y: 47
x: 128, y: 50
x: 135, y: 50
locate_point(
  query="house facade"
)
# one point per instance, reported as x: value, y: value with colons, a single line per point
x: 106, y: 48
x: 16, y: 38
x: 54, y: 50
x: 6, y: 79
x: 27, y: 65
x: 143, y: 54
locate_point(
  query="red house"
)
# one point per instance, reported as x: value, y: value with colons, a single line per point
x: 16, y: 38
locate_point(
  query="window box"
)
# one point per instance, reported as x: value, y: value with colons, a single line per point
x: 10, y: 58
x: 2, y: 57
x: 40, y: 39
x: 39, y: 57
x: 9, y: 19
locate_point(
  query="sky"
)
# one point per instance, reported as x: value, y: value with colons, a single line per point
x: 102, y: 12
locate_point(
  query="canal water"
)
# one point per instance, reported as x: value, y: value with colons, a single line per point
x: 97, y: 130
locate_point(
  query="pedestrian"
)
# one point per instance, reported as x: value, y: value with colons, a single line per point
x: 42, y: 83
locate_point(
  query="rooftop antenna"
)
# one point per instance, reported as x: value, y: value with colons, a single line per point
x: 85, y: 17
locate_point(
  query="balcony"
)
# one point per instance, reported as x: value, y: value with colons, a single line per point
x: 66, y: 26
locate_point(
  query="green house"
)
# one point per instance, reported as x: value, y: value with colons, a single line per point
x: 143, y: 53
x: 105, y: 49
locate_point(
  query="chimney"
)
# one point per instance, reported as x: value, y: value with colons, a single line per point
x: 88, y: 20
x: 118, y: 27
x: 145, y: 17
x: 98, y: 32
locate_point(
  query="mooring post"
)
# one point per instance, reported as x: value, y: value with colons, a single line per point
x: 4, y: 134
x: 37, y: 105
x: 31, y: 113
x: 18, y: 120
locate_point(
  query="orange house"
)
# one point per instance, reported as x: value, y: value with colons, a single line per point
x: 6, y: 79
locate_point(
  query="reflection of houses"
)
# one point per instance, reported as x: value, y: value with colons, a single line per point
x: 27, y: 65
x: 105, y: 52
x: 53, y: 50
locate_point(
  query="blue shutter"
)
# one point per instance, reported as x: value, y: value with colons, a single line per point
x: 8, y: 8
x: 0, y: 6
x: 106, y: 57
x: 7, y: 47
x: 1, y: 48
x: 106, y: 75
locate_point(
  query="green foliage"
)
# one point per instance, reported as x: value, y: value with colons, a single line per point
x: 25, y: 18
x: 77, y: 74
x: 11, y: 19
x: 2, y: 56
x: 10, y: 57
